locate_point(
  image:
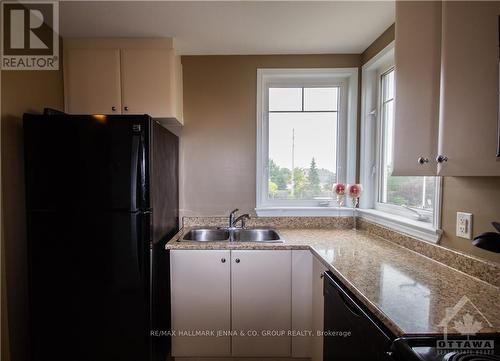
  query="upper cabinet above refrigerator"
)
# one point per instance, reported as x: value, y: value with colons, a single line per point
x: 446, y: 120
x: 123, y: 76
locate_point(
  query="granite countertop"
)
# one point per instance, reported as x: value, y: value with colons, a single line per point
x: 410, y: 293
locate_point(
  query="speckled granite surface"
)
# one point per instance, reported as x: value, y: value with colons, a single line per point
x: 275, y: 222
x: 408, y: 292
x: 474, y: 266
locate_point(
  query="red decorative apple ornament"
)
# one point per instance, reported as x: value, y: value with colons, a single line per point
x: 355, y: 190
x: 339, y: 190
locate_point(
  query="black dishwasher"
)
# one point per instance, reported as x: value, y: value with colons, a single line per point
x: 351, y: 332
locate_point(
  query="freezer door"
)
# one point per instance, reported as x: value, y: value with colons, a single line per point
x: 91, y: 162
x: 88, y: 286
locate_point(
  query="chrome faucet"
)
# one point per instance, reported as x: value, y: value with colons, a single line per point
x: 233, y: 221
x: 241, y: 219
x: 231, y: 217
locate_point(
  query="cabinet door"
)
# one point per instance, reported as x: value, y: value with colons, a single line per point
x: 417, y: 60
x: 200, y: 300
x: 92, y: 81
x: 261, y: 302
x: 317, y: 309
x: 150, y: 82
x: 469, y: 102
x: 302, y: 268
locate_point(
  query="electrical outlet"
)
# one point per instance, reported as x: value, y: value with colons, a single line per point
x: 464, y: 225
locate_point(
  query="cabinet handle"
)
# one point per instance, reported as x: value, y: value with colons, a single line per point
x: 223, y: 260
x: 441, y: 158
x: 113, y: 108
x: 125, y: 108
x: 422, y: 160
x: 237, y: 260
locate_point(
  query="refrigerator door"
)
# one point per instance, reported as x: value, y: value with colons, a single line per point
x: 165, y: 220
x: 91, y: 162
x: 89, y: 286
x: 164, y: 183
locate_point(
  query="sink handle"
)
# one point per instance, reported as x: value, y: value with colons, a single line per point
x: 231, y: 217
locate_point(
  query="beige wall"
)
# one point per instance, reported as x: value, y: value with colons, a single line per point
x: 4, y: 334
x: 22, y: 91
x: 477, y: 195
x: 218, y: 141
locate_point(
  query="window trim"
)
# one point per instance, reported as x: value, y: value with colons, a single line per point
x: 347, y: 80
x: 387, y: 215
x: 384, y: 69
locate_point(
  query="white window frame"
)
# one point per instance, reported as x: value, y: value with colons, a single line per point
x: 387, y: 215
x: 344, y: 78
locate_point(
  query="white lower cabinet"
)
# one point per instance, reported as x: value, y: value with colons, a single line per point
x: 302, y: 264
x: 200, y: 301
x: 261, y: 302
x: 317, y: 309
x: 253, y: 295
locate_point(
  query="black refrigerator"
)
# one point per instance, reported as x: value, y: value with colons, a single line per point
x: 102, y: 201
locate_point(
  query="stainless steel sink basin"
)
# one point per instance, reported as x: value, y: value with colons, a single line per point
x: 256, y: 235
x: 207, y: 235
x: 264, y: 235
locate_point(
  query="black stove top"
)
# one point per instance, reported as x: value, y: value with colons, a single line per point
x: 432, y: 354
x: 425, y: 349
x: 455, y: 356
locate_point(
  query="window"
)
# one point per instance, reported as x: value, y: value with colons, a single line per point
x: 302, y: 142
x: 303, y: 126
x: 406, y: 204
x: 412, y: 197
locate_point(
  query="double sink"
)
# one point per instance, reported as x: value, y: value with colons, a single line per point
x: 263, y: 235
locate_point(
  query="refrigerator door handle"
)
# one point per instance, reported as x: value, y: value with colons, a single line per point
x: 134, y: 165
x: 142, y: 172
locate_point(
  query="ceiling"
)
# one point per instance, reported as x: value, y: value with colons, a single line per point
x: 235, y: 27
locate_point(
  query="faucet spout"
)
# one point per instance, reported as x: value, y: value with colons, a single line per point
x: 241, y: 219
x: 231, y: 217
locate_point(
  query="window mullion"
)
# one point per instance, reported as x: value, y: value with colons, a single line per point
x: 302, y: 98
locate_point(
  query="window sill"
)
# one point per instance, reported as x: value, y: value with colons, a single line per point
x: 303, y: 212
x: 420, y: 230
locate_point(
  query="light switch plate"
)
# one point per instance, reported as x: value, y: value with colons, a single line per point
x: 464, y: 225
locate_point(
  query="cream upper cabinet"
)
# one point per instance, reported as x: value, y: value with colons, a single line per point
x: 417, y: 63
x: 150, y: 82
x: 261, y: 301
x: 468, y: 134
x: 123, y: 76
x: 447, y: 85
x: 92, y: 81
x: 200, y: 300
